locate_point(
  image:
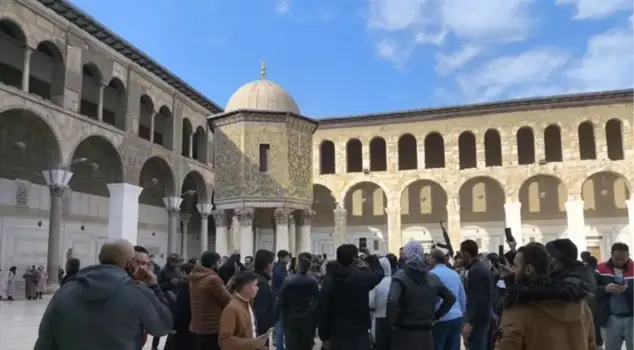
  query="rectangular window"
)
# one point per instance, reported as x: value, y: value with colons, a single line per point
x: 363, y: 243
x: 265, y: 149
x: 376, y: 246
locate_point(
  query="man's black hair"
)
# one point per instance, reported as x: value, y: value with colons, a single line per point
x: 187, y: 268
x: 392, y: 259
x: 303, y: 265
x: 563, y: 250
x: 306, y: 255
x: 439, y: 256
x: 262, y: 259
x: 620, y: 247
x: 346, y: 253
x: 140, y: 249
x: 283, y: 254
x: 536, y: 256
x: 470, y: 246
x: 209, y: 259
x: 72, y: 265
x: 241, y: 279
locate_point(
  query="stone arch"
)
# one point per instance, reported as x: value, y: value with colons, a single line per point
x: 420, y: 233
x: 354, y: 156
x: 114, y: 104
x: 467, y: 150
x: 423, y: 201
x: 604, y: 194
x: 552, y: 144
x: 14, y: 42
x: 95, y: 163
x: 434, y: 151
x: 187, y: 132
x: 163, y: 127
x: 407, y: 152
x: 157, y: 179
x: 366, y: 202
x: 481, y: 200
x: 492, y: 148
x: 48, y: 72
x: 378, y: 154
x: 543, y: 197
x: 324, y: 204
x: 199, y: 151
x: 614, y: 139
x: 28, y: 145
x: 91, y: 88
x: 327, y: 157
x: 525, y: 139
x: 195, y: 181
x: 146, y: 114
x: 587, y: 141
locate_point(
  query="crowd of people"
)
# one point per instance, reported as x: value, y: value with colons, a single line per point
x: 533, y: 297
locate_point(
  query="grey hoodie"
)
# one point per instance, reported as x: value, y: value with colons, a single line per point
x: 103, y: 309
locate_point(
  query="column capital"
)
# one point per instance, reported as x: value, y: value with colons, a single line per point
x: 306, y: 217
x: 282, y: 215
x: 245, y: 216
x: 172, y: 204
x: 220, y: 217
x: 204, y: 208
x: 393, y: 210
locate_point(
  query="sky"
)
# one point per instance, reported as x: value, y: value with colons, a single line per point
x: 349, y: 57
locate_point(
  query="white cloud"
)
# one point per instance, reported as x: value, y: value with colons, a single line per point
x: 282, y: 6
x: 477, y: 23
x: 390, y: 50
x: 607, y: 64
x: 447, y: 63
x: 502, y: 75
x: 586, y: 9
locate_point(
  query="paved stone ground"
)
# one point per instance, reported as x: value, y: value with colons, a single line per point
x: 20, y: 320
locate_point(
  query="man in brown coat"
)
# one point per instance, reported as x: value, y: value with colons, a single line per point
x: 238, y: 324
x: 542, y: 314
x: 208, y: 296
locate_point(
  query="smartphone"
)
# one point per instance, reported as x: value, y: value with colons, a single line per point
x: 501, y: 254
x: 509, y: 234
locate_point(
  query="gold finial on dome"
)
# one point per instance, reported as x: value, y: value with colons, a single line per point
x: 262, y: 70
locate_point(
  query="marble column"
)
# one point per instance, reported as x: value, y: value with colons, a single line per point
x: 100, y: 89
x: 204, y: 209
x: 341, y: 226
x: 234, y: 241
x: 513, y: 220
x: 185, y: 218
x: 576, y: 224
x: 173, y: 207
x: 630, y: 217
x: 123, y: 213
x: 246, y: 216
x: 190, y: 151
x: 394, y: 233
x: 152, y: 123
x: 26, y: 72
x: 304, y: 243
x: 57, y: 181
x: 282, y: 241
x: 453, y: 223
x: 222, y: 234
x: 292, y: 234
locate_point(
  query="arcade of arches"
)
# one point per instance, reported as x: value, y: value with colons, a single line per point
x: 598, y: 217
x: 39, y: 190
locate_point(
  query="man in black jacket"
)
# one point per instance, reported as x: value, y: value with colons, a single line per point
x: 343, y: 306
x: 411, y: 305
x: 264, y: 301
x: 296, y: 303
x: 479, y: 290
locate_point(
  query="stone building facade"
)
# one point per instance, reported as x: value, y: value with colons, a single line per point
x: 98, y: 141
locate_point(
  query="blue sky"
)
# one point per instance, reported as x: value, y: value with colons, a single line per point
x: 366, y: 56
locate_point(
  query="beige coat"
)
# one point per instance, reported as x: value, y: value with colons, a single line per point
x: 236, y: 328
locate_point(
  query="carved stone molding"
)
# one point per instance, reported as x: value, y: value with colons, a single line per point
x: 246, y: 216
x: 220, y: 217
x: 282, y: 215
x: 306, y: 217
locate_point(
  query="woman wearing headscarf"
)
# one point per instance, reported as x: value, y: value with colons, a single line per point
x: 41, y: 282
x: 11, y: 283
x: 378, y: 304
x: 30, y: 283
